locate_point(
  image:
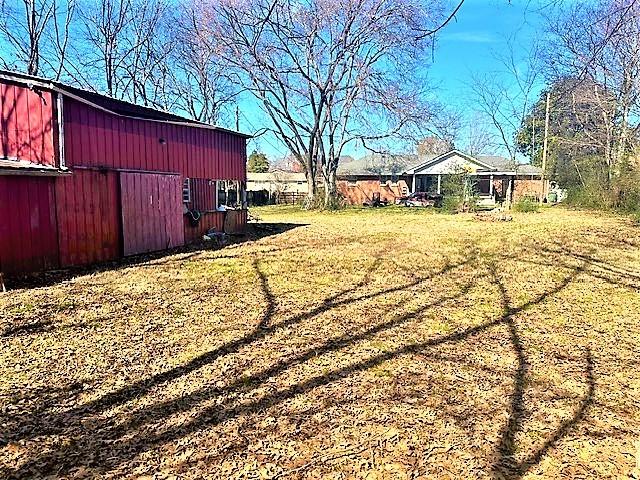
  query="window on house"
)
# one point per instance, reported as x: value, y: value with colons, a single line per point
x: 483, y: 186
x: 186, y: 191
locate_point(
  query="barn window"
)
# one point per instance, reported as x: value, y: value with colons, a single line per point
x: 231, y: 194
x: 352, y: 182
x: 186, y: 191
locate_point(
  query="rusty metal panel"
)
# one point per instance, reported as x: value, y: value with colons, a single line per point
x: 28, y: 236
x: 26, y: 124
x: 152, y: 217
x: 231, y: 221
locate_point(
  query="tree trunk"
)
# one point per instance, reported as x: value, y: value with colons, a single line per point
x: 330, y: 191
x: 311, y: 192
x: 312, y: 187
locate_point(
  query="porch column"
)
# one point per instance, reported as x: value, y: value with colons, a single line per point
x: 491, y: 185
x: 439, y: 183
x: 413, y: 184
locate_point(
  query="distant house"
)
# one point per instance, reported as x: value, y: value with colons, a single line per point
x: 278, y: 186
x: 495, y: 179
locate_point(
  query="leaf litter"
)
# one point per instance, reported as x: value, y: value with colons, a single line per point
x: 361, y: 344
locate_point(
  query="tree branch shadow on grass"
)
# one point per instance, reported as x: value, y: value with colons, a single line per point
x: 507, y: 465
x: 119, y: 451
x: 63, y: 422
x: 54, y: 424
x: 41, y: 326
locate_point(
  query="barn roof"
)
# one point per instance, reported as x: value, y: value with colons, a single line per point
x: 110, y: 104
x: 18, y: 166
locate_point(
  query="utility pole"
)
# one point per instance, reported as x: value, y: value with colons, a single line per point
x: 533, y: 138
x: 237, y: 118
x: 545, y: 145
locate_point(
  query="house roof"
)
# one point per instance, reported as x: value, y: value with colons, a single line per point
x: 376, y: 164
x: 503, y: 164
x: 276, y: 176
x: 488, y: 164
x: 109, y: 104
x: 428, y: 160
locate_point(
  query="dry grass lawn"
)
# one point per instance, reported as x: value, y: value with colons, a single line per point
x: 363, y: 344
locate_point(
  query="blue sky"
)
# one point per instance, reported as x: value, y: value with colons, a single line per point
x: 467, y: 45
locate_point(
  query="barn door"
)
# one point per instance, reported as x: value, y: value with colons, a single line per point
x: 151, y: 212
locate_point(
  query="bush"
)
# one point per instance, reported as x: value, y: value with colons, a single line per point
x: 525, y: 205
x: 336, y: 202
x: 591, y: 195
x: 451, y: 204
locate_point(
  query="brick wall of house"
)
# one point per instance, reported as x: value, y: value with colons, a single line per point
x: 523, y: 187
x: 526, y: 187
x: 362, y: 190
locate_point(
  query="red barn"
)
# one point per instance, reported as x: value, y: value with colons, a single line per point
x: 85, y: 178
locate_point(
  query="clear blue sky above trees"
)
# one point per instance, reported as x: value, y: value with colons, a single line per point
x: 465, y: 46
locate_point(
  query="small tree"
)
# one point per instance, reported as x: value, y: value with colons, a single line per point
x: 459, y: 194
x: 258, y: 162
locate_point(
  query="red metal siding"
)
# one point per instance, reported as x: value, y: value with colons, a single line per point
x: 208, y: 221
x: 26, y: 124
x: 203, y: 195
x: 96, y: 138
x: 28, y: 237
x: 151, y: 212
x: 88, y: 217
x: 77, y: 219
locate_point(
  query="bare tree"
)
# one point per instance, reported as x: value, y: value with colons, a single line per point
x: 205, y: 84
x: 506, y: 99
x: 37, y: 32
x: 106, y: 25
x: 329, y: 74
x: 146, y: 48
x: 476, y: 136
